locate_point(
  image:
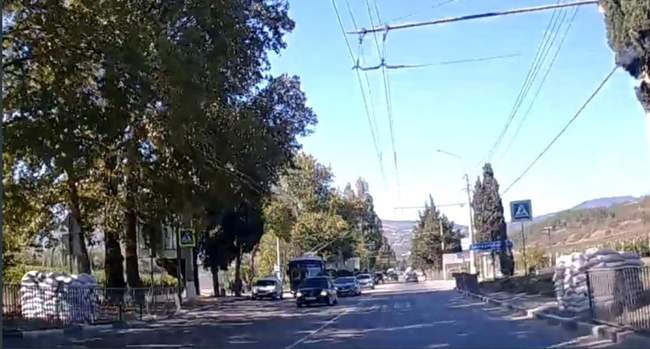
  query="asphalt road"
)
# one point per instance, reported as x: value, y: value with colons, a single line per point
x: 424, y: 315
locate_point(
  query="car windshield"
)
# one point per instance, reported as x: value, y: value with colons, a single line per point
x: 363, y: 277
x: 265, y: 283
x: 345, y: 280
x: 314, y: 283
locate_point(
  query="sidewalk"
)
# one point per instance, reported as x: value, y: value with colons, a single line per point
x: 535, y: 306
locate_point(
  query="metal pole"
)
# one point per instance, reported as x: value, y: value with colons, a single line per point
x: 472, y: 266
x: 442, y: 236
x: 523, y: 249
x: 277, y: 253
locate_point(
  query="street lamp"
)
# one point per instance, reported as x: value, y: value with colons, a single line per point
x: 472, y: 266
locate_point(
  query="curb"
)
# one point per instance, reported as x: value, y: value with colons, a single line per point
x: 67, y: 331
x: 612, y: 333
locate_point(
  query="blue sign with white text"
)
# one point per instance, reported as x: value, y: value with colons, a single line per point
x: 490, y: 246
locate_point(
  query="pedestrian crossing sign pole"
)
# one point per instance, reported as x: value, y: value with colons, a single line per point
x: 522, y: 211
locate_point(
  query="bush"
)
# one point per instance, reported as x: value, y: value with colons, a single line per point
x: 14, y: 274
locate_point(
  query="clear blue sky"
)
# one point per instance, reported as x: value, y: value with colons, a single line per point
x: 462, y: 108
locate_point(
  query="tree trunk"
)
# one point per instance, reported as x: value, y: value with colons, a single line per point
x: 195, y: 260
x: 83, y: 261
x: 113, y: 267
x: 238, y: 283
x: 131, y: 218
x: 215, y: 281
x: 131, y: 249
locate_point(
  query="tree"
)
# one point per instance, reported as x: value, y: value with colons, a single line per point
x: 489, y: 221
x: 628, y: 33
x: 432, y: 230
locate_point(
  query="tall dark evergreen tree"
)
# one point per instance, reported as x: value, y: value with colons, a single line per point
x: 628, y: 31
x: 489, y: 221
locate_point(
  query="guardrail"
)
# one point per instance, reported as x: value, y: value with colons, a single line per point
x: 620, y: 296
x: 38, y: 307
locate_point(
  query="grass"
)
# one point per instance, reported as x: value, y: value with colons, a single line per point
x: 531, y: 284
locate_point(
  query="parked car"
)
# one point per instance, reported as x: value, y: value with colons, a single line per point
x: 347, y: 286
x: 316, y: 290
x: 269, y: 287
x: 366, y: 281
x: 411, y: 277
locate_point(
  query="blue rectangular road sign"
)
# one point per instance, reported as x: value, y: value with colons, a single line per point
x: 489, y: 246
x: 521, y: 211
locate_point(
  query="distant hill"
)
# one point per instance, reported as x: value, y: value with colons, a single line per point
x: 606, y: 202
x: 591, y: 223
x: 399, y: 234
x: 586, y: 224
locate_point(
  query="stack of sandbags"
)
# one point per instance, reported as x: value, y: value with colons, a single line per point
x: 58, y: 296
x: 571, y: 283
x: 571, y: 278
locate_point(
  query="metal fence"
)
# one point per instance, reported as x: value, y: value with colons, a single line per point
x: 620, y: 296
x: 37, y: 307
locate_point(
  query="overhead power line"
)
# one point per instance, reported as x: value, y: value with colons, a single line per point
x: 381, y: 52
x: 545, y: 44
x: 387, y: 28
x: 541, y: 84
x: 575, y: 116
x: 363, y: 92
x: 439, y: 4
x: 424, y: 65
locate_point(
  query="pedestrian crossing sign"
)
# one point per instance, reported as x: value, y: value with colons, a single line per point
x: 186, y: 237
x: 521, y: 211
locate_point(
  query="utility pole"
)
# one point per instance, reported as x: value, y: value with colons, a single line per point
x: 548, y: 230
x: 442, y: 237
x: 523, y: 248
x: 277, y: 254
x: 472, y: 264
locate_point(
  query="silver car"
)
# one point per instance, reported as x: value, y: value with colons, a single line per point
x: 267, y: 288
x: 366, y: 281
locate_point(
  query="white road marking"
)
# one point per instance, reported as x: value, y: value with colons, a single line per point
x: 345, y: 311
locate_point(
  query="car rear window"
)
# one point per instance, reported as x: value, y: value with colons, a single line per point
x: 265, y: 283
x: 314, y: 282
x: 363, y: 276
x: 344, y: 280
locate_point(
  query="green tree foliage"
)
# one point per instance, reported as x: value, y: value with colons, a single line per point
x: 432, y: 230
x: 308, y: 214
x: 489, y: 221
x: 152, y: 113
x: 628, y: 31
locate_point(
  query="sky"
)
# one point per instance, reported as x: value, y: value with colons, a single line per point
x: 462, y: 108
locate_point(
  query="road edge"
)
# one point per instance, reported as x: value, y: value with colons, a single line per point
x: 599, y: 331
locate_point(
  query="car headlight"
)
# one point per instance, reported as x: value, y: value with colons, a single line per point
x: 299, y: 294
x: 323, y: 293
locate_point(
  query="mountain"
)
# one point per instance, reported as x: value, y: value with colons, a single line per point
x: 579, y: 224
x: 592, y: 223
x: 606, y: 202
x: 399, y: 235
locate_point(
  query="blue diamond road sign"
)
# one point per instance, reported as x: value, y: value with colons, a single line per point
x: 521, y: 211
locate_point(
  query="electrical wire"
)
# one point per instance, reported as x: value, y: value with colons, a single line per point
x: 575, y: 116
x: 439, y: 4
x: 363, y: 92
x: 387, y: 91
x: 541, y: 84
x: 424, y: 65
x: 551, y: 28
x: 389, y: 28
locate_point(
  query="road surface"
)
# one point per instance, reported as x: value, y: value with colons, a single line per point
x: 424, y: 315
